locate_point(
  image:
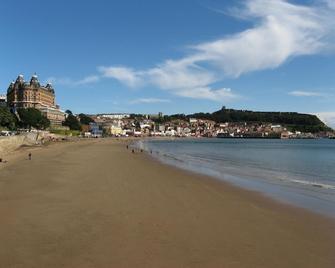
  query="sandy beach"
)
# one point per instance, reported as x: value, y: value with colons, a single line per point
x: 93, y: 203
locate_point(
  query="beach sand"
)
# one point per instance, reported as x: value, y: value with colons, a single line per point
x: 95, y: 204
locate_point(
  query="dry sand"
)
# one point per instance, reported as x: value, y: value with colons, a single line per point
x: 95, y: 204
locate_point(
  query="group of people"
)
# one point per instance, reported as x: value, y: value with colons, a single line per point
x: 133, y: 150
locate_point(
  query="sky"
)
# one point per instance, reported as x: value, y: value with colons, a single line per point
x: 176, y: 56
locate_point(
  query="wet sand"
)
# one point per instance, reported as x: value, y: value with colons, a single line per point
x: 95, y: 204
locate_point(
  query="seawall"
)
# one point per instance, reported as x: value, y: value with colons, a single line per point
x: 10, y: 144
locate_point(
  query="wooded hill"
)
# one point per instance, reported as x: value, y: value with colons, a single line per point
x: 293, y: 121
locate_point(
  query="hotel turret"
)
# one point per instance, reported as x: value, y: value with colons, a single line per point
x: 21, y: 94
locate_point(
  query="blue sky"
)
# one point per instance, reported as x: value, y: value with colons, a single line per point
x: 178, y: 56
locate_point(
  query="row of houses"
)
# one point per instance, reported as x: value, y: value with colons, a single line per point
x: 127, y: 125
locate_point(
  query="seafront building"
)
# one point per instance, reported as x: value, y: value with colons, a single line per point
x: 142, y: 125
x: 114, y: 116
x: 22, y: 94
x: 95, y: 130
x: 114, y: 130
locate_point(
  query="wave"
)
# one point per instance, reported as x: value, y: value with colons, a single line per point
x: 311, y: 185
x: 200, y: 162
x: 314, y: 184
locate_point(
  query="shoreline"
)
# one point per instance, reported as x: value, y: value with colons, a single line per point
x: 285, y: 192
x: 123, y: 209
x: 20, y: 152
x: 254, y: 194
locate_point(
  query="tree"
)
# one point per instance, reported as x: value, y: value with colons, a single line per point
x: 43, y: 123
x: 85, y: 120
x: 32, y: 117
x: 72, y: 122
x: 68, y: 112
x: 291, y: 120
x: 7, y: 119
x: 137, y: 126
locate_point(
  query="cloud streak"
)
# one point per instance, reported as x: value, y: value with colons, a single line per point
x: 299, y: 93
x: 127, y: 75
x: 149, y: 100
x: 71, y: 82
x: 281, y: 31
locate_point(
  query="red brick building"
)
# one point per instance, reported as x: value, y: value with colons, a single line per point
x: 21, y: 94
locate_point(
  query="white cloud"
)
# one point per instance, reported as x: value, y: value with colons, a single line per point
x: 180, y: 74
x: 209, y: 94
x: 299, y: 93
x: 330, y: 3
x: 180, y: 77
x: 281, y: 31
x: 124, y: 74
x: 149, y: 100
x: 88, y: 79
x: 71, y: 82
x: 328, y: 118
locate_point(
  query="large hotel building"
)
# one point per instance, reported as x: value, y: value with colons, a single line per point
x: 21, y: 94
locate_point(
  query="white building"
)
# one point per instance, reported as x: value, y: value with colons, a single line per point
x: 170, y: 132
x: 115, y: 116
x: 161, y: 128
x: 114, y: 130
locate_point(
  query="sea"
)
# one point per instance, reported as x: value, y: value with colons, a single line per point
x: 297, y: 172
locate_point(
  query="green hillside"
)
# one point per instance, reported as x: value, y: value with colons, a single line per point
x: 293, y: 121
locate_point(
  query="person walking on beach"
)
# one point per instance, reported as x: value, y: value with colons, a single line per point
x: 29, y: 156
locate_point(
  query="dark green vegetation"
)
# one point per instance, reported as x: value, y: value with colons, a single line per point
x: 85, y: 120
x: 32, y: 117
x: 293, y: 121
x: 71, y: 121
x: 7, y: 119
x: 27, y: 118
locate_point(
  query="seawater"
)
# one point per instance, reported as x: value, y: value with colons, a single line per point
x: 299, y: 172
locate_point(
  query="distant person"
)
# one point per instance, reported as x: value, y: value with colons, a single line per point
x: 127, y: 146
x: 29, y: 156
x: 3, y: 161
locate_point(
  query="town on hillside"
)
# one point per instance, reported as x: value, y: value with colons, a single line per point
x: 31, y: 105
